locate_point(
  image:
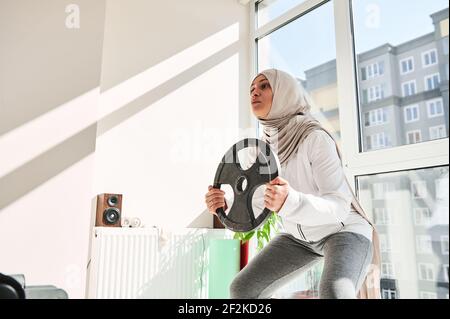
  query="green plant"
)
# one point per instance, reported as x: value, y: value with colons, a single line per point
x: 263, y: 233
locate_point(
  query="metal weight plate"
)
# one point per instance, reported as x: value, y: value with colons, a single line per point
x: 241, y: 217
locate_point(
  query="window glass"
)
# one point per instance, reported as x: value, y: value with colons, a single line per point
x: 408, y: 46
x: 411, y: 216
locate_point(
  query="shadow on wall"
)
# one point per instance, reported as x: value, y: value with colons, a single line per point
x: 60, y: 157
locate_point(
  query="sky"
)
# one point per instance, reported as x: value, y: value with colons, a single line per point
x: 310, y: 40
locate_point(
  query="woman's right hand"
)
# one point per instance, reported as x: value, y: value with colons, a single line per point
x: 215, y: 198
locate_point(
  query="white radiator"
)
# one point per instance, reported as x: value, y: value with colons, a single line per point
x: 147, y: 263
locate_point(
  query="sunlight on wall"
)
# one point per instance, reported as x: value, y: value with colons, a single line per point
x: 46, y: 131
x: 137, y: 158
x: 127, y: 91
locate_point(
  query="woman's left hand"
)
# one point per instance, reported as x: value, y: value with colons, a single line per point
x: 276, y: 193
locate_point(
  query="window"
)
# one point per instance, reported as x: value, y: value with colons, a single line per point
x: 382, y: 216
x: 444, y: 245
x: 437, y: 132
x: 375, y: 93
x: 432, y: 82
x: 424, y: 240
x: 422, y: 215
x: 387, y: 270
x: 426, y: 271
x: 377, y: 141
x: 393, y: 38
x: 413, y: 137
x: 407, y: 65
x: 364, y: 34
x: 419, y: 189
x: 428, y: 295
x: 376, y: 117
x: 389, y: 294
x: 372, y: 70
x: 409, y: 88
x: 429, y: 58
x: 382, y: 190
x: 412, y: 113
x: 423, y: 244
x: 435, y: 108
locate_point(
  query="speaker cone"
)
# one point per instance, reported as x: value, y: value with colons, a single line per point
x: 111, y: 216
x: 113, y: 200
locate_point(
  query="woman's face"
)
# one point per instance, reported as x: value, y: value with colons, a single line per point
x: 261, y: 96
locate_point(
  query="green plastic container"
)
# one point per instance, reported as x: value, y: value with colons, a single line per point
x: 224, y: 264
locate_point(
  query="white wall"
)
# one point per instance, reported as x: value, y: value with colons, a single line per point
x: 49, y: 89
x: 170, y: 72
x: 175, y: 79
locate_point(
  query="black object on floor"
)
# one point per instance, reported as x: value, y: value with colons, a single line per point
x: 13, y: 287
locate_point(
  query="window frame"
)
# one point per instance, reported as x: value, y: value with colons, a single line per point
x: 429, y: 52
x: 436, y: 127
x: 414, y: 132
x: 430, y: 76
x: 429, y: 267
x: 408, y: 83
x: 429, y: 102
x: 405, y: 113
x: 356, y: 161
x: 400, y: 62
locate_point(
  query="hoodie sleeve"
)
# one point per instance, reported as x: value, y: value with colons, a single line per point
x: 332, y: 203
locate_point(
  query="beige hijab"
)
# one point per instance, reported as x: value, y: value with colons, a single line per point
x: 286, y: 126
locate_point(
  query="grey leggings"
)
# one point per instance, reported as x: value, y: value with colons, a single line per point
x: 347, y: 257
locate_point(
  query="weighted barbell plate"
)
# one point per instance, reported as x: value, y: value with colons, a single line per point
x: 266, y: 167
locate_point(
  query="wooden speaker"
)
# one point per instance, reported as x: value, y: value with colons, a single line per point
x: 109, y: 210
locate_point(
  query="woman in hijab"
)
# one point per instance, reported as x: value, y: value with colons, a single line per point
x: 319, y: 212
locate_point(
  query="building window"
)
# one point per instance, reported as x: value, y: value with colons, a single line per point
x: 412, y: 113
x: 432, y: 82
x: 409, y: 88
x: 372, y: 70
x: 423, y: 244
x: 435, y: 108
x: 429, y: 58
x: 413, y: 137
x: 444, y: 245
x: 400, y: 244
x: 387, y: 270
x: 376, y: 117
x: 437, y: 132
x: 389, y: 294
x: 407, y: 65
x: 419, y: 189
x: 382, y: 190
x: 374, y: 93
x: 426, y: 272
x: 377, y: 141
x: 382, y: 216
x: 428, y: 295
x: 422, y: 215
